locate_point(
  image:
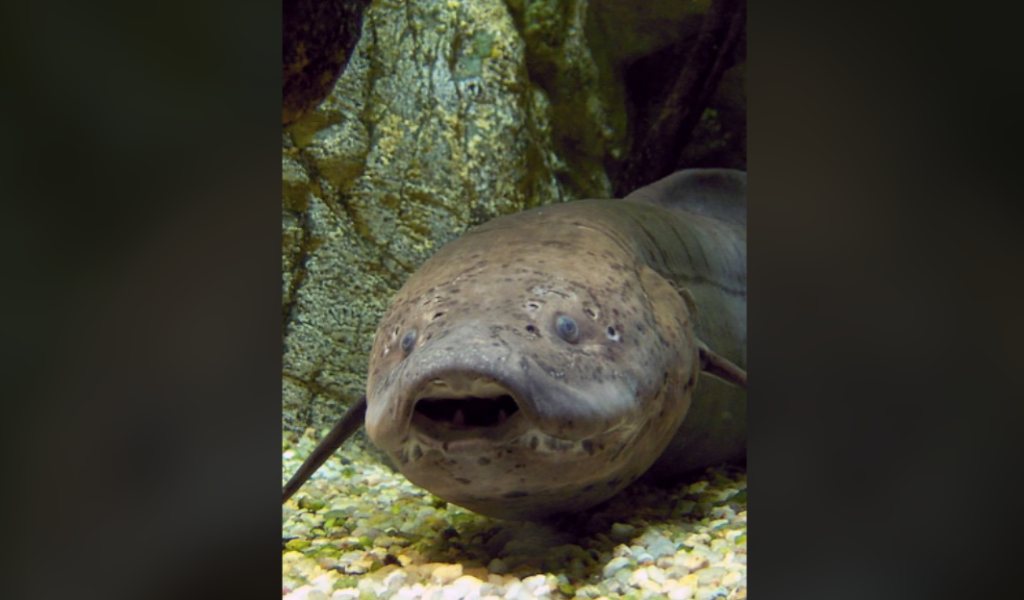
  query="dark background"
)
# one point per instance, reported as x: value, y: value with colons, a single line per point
x: 140, y: 174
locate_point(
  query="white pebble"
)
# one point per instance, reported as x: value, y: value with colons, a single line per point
x: 708, y: 593
x: 466, y: 587
x: 657, y: 575
x: 514, y: 589
x: 415, y: 591
x: 694, y: 561
x: 731, y: 579
x: 446, y: 573
x: 683, y: 592
x: 395, y: 579
x: 614, y: 565
x: 539, y: 585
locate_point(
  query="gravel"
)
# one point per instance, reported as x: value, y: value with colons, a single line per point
x: 358, y: 531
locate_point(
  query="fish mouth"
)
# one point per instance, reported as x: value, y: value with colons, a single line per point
x: 461, y: 410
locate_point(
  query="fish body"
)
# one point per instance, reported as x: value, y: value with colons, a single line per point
x: 545, y: 360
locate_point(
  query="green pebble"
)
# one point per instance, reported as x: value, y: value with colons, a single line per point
x: 296, y: 544
x: 311, y: 504
x: 568, y: 589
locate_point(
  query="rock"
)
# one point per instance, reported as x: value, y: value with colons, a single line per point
x: 443, y: 574
x: 614, y: 565
x: 497, y: 566
x: 622, y: 532
x: 463, y: 587
x: 318, y: 37
x: 683, y: 592
x: 459, y: 135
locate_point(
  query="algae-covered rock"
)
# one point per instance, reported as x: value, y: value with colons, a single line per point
x: 433, y: 126
x: 318, y: 37
x: 606, y: 67
x: 586, y: 127
x: 641, y: 49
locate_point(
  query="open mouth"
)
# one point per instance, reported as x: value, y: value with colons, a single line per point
x: 460, y: 409
x: 467, y: 412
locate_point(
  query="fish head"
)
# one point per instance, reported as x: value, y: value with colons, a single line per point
x: 526, y: 376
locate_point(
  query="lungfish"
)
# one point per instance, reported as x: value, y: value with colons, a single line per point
x: 543, y: 361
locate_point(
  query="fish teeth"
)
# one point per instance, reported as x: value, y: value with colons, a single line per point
x: 459, y: 419
x: 501, y: 416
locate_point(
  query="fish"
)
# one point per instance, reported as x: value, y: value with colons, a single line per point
x: 543, y: 361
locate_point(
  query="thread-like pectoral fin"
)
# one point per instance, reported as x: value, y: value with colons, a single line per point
x: 349, y: 423
x: 721, y: 367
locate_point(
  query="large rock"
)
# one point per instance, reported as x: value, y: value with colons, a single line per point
x: 432, y: 127
x: 318, y: 37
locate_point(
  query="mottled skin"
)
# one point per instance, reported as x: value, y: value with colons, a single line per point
x: 545, y: 360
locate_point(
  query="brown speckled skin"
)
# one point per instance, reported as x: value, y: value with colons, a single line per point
x: 644, y: 278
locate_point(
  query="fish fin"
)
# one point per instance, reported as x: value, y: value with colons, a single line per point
x: 721, y: 367
x: 712, y: 363
x: 718, y: 193
x: 691, y: 302
x: 351, y: 421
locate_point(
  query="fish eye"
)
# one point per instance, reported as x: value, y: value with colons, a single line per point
x: 567, y: 329
x: 408, y: 341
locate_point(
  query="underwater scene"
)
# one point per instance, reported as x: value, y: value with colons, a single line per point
x: 514, y: 255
